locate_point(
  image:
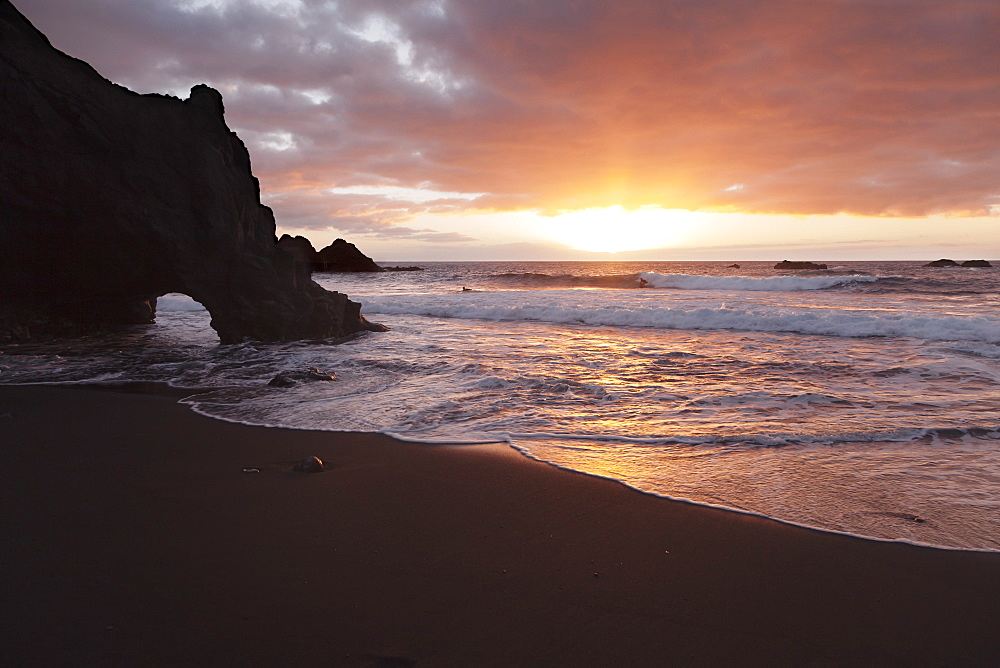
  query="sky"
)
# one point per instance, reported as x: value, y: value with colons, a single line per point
x: 590, y: 129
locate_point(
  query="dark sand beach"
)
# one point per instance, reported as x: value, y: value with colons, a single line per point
x: 132, y: 536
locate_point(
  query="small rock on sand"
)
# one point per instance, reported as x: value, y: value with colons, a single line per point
x: 309, y: 465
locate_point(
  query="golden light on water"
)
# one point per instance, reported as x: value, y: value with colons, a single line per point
x: 614, y: 229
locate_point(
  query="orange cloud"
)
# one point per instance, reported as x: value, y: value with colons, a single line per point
x: 780, y: 106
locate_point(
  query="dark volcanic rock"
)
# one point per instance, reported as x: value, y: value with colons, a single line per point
x: 111, y: 198
x: 299, y: 248
x: 343, y: 256
x: 290, y: 378
x: 786, y: 264
x: 732, y: 266
x: 340, y: 256
x: 952, y: 263
x: 309, y: 465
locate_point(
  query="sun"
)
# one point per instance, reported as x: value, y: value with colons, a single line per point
x: 614, y: 229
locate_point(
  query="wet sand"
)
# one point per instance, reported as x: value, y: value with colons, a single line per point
x: 133, y: 536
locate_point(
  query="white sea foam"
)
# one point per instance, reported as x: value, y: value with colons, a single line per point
x: 715, y: 390
x: 991, y: 351
x: 771, y: 283
x: 561, y: 306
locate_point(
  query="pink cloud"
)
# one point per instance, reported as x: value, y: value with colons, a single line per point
x: 857, y: 106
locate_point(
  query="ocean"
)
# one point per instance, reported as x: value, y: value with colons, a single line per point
x: 862, y: 399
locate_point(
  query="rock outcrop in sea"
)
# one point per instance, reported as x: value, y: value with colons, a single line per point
x: 111, y: 199
x: 788, y: 264
x: 340, y: 256
x: 944, y: 262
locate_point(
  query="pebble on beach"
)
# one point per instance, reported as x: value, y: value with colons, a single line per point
x: 309, y: 465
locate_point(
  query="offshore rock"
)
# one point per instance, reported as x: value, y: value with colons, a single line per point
x: 786, y: 264
x: 299, y: 248
x: 951, y: 263
x: 340, y: 256
x: 343, y: 256
x: 111, y: 199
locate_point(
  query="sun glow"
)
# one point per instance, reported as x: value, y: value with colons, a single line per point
x: 615, y: 229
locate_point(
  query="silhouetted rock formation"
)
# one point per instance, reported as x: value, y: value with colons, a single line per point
x: 732, y: 266
x: 340, y: 256
x: 951, y: 263
x: 786, y: 264
x: 413, y: 268
x: 299, y: 248
x: 111, y: 199
x: 343, y: 256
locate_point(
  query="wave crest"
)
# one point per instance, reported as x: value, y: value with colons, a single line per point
x: 824, y: 322
x: 769, y: 283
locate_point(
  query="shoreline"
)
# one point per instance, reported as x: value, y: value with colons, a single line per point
x: 166, y: 390
x: 750, y: 513
x: 152, y: 387
x: 135, y: 537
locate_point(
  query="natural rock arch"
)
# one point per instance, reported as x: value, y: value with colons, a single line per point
x: 111, y: 199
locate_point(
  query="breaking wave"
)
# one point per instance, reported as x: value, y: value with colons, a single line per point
x: 508, y: 306
x: 652, y: 279
x: 770, y: 283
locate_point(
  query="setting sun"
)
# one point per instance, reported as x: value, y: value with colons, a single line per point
x: 616, y: 229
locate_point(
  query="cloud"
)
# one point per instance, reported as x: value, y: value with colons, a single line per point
x: 364, y: 213
x: 859, y: 106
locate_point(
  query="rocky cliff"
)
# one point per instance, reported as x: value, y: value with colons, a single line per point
x: 111, y: 199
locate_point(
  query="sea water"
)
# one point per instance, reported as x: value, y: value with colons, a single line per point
x: 862, y: 399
